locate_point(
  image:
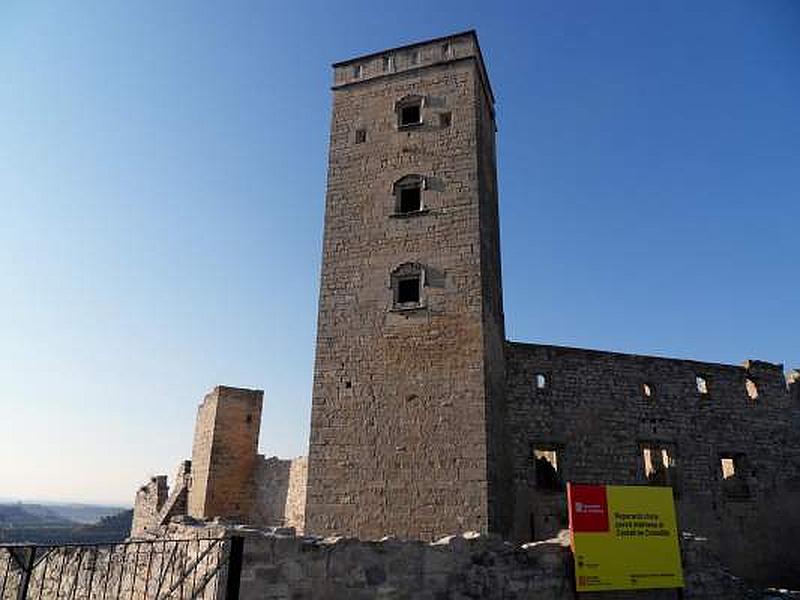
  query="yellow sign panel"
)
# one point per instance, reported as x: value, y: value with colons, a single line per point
x: 624, y: 537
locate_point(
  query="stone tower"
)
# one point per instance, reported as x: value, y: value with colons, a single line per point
x: 407, y: 413
x: 224, y: 453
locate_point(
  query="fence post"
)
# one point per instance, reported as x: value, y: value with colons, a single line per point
x: 234, y: 568
x: 27, y: 570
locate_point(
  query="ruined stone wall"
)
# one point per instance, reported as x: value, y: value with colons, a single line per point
x: 295, y: 510
x: 399, y: 413
x: 271, y: 487
x: 156, y: 504
x: 224, y: 453
x: 283, y: 567
x: 594, y: 414
x: 149, y: 500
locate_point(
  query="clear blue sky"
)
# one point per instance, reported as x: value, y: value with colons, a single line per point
x: 162, y: 173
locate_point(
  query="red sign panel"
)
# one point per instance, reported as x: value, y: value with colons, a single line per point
x: 588, y: 508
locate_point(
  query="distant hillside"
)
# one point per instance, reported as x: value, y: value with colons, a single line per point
x: 37, y: 523
x: 83, y: 513
x: 30, y: 515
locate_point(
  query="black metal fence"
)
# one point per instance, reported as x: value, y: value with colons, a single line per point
x: 180, y: 569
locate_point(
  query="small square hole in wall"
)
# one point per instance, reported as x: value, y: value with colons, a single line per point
x: 444, y: 119
x: 541, y: 381
x: 408, y: 291
x: 361, y: 136
x: 702, y: 385
x: 728, y: 467
x: 751, y: 388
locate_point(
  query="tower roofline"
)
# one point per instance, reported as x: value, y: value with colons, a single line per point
x: 469, y: 32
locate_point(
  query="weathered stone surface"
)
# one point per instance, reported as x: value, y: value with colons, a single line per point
x: 477, y: 566
x: 406, y: 401
x: 224, y: 453
x: 594, y: 413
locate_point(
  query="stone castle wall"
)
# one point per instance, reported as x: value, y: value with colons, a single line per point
x: 149, y: 500
x: 594, y: 414
x: 283, y: 566
x: 279, y: 493
x: 226, y: 478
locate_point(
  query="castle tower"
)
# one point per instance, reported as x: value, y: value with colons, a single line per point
x: 224, y: 453
x: 407, y: 413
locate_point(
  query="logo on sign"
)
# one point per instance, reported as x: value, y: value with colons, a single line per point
x: 588, y: 508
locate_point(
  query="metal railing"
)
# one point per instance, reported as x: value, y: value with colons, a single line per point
x: 179, y: 569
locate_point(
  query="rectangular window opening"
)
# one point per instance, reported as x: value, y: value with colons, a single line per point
x: 659, y: 465
x: 408, y: 291
x: 410, y: 200
x: 548, y: 476
x: 361, y: 136
x: 734, y: 481
x: 541, y: 381
x: 410, y: 115
x: 445, y: 118
x: 702, y: 385
x: 728, y: 466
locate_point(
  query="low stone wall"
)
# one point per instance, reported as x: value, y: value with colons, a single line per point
x: 280, y: 565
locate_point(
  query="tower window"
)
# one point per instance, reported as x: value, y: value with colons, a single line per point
x: 413, y: 57
x: 407, y: 284
x: 409, y: 115
x: 409, y: 111
x: 408, y: 195
x: 388, y: 63
x: 410, y: 199
x: 358, y: 70
x: 361, y: 136
x: 408, y: 291
x: 647, y: 391
x: 446, y: 50
x: 445, y: 118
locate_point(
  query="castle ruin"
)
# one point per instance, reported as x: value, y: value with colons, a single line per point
x: 426, y: 420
